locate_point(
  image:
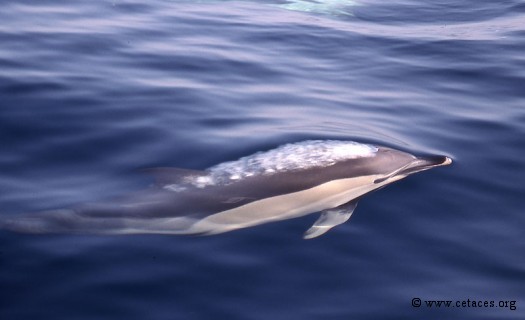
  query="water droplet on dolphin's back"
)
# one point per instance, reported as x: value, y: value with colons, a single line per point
x: 290, y: 157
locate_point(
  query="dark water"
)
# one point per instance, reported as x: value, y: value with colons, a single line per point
x: 91, y: 91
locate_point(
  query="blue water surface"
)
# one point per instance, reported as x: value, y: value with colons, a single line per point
x: 93, y: 91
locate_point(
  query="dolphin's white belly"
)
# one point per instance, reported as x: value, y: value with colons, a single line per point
x: 328, y: 195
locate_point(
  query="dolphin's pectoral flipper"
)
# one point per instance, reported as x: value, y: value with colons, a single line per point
x: 330, y: 218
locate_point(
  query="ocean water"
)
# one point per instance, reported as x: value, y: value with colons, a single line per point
x: 93, y: 91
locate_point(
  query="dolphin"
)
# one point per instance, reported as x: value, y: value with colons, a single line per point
x: 327, y: 7
x: 322, y: 7
x: 291, y: 181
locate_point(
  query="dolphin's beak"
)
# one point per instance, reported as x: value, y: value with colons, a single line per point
x: 425, y: 163
x: 419, y: 164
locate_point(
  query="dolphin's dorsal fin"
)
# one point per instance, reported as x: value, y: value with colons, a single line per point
x: 166, y: 175
x: 331, y: 218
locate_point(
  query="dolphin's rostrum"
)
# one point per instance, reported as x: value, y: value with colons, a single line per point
x: 288, y: 182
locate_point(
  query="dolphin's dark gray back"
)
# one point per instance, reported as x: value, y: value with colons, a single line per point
x: 192, y: 200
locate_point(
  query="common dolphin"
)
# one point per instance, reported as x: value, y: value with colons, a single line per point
x: 323, y: 7
x: 327, y: 7
x: 290, y: 181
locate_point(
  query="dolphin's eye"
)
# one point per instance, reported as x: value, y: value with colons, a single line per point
x: 376, y: 181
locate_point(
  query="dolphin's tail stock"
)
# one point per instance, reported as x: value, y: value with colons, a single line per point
x: 68, y: 221
x: 54, y: 221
